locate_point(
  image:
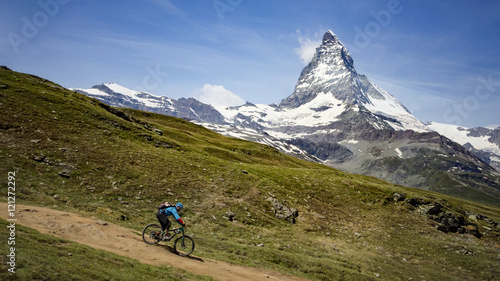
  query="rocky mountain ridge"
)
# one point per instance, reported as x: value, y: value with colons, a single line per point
x: 116, y: 95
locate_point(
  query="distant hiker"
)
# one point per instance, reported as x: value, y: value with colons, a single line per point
x: 165, y: 210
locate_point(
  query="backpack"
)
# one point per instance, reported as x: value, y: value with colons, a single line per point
x: 165, y: 205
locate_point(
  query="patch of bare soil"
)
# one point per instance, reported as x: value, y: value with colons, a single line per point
x: 125, y: 242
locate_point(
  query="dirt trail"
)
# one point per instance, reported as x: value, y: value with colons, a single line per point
x: 128, y: 243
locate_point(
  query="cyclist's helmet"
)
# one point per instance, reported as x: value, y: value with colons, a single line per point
x: 179, y: 205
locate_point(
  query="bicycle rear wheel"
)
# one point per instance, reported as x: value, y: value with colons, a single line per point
x: 184, y: 246
x: 151, y: 234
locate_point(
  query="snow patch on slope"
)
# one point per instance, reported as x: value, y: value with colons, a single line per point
x: 460, y: 135
x: 322, y: 110
x: 387, y: 105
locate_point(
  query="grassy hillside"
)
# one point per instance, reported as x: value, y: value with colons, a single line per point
x: 74, y: 153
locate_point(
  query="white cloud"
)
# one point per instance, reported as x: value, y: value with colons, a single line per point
x: 307, y: 47
x: 217, y: 95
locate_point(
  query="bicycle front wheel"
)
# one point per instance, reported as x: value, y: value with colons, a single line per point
x: 151, y: 234
x: 184, y: 246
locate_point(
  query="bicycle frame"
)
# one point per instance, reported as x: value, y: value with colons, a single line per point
x: 176, y: 231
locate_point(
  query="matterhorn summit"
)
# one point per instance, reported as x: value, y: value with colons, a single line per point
x: 331, y: 72
x: 330, y: 65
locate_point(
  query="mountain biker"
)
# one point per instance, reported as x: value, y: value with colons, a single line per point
x: 163, y: 214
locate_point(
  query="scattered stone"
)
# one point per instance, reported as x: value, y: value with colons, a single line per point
x: 399, y: 197
x: 464, y: 251
x: 377, y: 275
x: 39, y: 157
x: 434, y: 209
x: 447, y: 219
x: 100, y: 222
x: 415, y: 202
x: 281, y: 211
x: 450, y: 222
x: 65, y: 174
x: 163, y: 144
x: 3, y: 87
x: 429, y: 209
x: 260, y: 245
x: 158, y: 131
x: 231, y: 215
x: 56, y: 196
x: 472, y: 229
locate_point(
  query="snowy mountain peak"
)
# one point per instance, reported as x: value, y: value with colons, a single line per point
x: 331, y: 74
x: 330, y: 66
x: 330, y: 37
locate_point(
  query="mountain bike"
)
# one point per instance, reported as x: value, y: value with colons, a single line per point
x: 183, y: 245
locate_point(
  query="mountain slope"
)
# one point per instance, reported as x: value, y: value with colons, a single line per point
x: 71, y: 152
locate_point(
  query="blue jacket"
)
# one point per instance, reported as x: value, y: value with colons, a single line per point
x: 172, y: 211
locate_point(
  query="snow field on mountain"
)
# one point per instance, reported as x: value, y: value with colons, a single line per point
x: 389, y: 106
x: 94, y: 92
x: 460, y: 135
x: 322, y: 110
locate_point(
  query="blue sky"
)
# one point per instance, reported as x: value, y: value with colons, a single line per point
x: 441, y: 59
